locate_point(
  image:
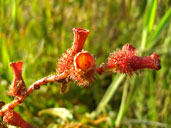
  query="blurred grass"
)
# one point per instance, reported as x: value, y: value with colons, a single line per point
x: 38, y: 32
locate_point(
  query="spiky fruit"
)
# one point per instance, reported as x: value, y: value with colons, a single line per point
x: 83, y: 69
x: 79, y: 64
x: 126, y: 61
x: 66, y: 61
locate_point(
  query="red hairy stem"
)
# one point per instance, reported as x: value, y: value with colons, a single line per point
x: 45, y: 80
x: 100, y: 70
x: 33, y: 87
x: 14, y: 118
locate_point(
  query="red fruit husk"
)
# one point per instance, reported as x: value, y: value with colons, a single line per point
x: 125, y: 61
x: 17, y: 88
x: 81, y: 77
x: 84, y: 61
x: 14, y: 118
x: 83, y: 70
x: 80, y: 35
x: 66, y: 61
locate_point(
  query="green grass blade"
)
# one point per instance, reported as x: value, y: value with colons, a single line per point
x: 159, y: 28
x: 14, y: 13
x: 149, y: 21
x: 152, y: 15
x: 5, y: 58
x: 144, y: 38
x: 123, y: 104
x: 4, y: 52
x: 109, y: 93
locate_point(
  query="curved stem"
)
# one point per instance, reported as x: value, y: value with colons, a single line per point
x: 36, y: 85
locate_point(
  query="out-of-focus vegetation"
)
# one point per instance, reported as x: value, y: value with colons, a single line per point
x: 37, y: 32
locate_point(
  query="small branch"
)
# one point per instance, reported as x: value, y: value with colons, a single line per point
x: 49, y: 79
x: 36, y: 85
x: 104, y: 68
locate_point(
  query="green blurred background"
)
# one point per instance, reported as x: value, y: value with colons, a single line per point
x: 37, y: 32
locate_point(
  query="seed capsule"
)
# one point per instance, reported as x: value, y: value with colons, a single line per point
x: 84, y: 61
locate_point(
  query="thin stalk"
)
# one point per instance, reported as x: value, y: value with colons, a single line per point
x: 122, y: 106
x: 131, y: 94
x: 109, y: 93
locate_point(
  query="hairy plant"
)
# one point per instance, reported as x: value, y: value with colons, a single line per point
x: 76, y: 65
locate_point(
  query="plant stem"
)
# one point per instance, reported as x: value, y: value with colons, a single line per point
x: 109, y: 93
x: 36, y: 85
x: 122, y: 106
